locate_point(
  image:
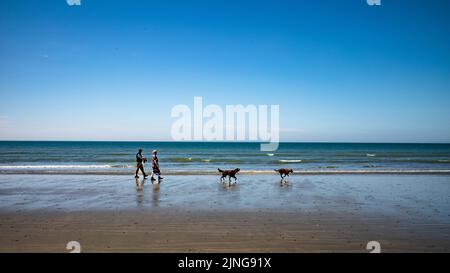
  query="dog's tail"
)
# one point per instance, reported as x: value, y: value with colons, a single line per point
x: 277, y: 170
x: 219, y: 170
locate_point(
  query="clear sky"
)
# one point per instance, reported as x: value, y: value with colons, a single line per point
x: 113, y: 70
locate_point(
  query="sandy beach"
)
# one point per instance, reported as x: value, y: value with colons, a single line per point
x: 172, y: 231
x: 199, y: 214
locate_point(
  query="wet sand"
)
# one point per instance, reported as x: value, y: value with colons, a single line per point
x: 198, y: 214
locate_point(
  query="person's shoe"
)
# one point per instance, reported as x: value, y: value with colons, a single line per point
x: 153, y: 179
x: 145, y: 176
x: 137, y: 176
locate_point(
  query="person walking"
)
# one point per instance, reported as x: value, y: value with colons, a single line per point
x: 155, y: 166
x: 140, y: 160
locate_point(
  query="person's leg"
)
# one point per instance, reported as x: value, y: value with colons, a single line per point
x: 137, y: 171
x: 156, y: 171
x: 142, y: 170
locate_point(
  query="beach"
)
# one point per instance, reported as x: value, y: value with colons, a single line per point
x: 172, y: 231
x: 310, y: 213
x: 340, y: 197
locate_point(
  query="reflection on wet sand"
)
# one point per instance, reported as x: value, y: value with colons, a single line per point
x: 155, y: 194
x: 139, y: 184
x: 284, y: 183
x: 139, y: 191
x: 423, y: 196
x: 228, y: 187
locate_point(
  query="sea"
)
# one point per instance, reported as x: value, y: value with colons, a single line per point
x: 98, y: 157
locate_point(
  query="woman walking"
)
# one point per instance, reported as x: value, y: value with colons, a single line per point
x: 155, y: 166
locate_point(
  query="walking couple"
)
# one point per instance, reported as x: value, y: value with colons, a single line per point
x: 140, y: 160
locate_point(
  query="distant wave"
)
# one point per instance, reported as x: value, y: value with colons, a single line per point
x: 205, y: 160
x: 123, y: 166
x: 56, y: 166
x: 269, y: 162
x: 371, y: 155
x: 183, y: 159
x: 290, y: 160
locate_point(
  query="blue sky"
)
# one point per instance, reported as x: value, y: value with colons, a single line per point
x: 113, y: 70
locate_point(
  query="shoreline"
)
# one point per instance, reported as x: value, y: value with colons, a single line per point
x: 426, y: 195
x: 242, y: 172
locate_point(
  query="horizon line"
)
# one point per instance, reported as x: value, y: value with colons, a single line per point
x: 225, y: 141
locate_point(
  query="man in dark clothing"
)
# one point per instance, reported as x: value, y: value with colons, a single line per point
x: 140, y: 160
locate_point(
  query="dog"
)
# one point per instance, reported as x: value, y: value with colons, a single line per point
x: 284, y: 172
x: 230, y: 174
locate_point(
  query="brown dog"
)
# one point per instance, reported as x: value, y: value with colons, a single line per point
x: 230, y: 174
x: 284, y: 172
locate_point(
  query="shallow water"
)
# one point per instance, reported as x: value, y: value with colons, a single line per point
x: 422, y: 197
